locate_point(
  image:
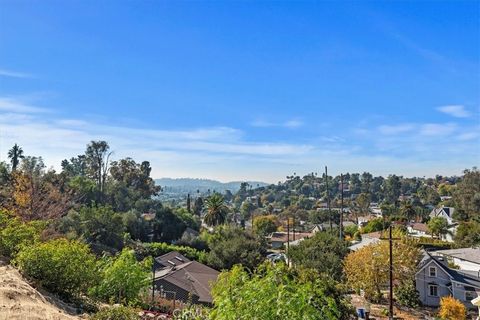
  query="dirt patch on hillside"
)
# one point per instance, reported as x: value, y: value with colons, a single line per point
x: 20, y: 301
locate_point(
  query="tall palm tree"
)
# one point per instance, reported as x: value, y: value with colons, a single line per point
x: 216, y: 210
x: 15, y: 154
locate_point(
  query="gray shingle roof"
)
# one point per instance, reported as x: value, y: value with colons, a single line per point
x: 191, y: 276
x: 467, y: 254
x: 465, y: 277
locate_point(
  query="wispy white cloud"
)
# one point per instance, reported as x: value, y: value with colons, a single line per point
x: 437, y: 129
x: 294, y: 123
x: 14, y: 74
x: 395, y: 129
x: 457, y: 111
x: 226, y: 153
x: 291, y: 124
x: 16, y: 105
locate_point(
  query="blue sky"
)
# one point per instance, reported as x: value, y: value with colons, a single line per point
x: 245, y: 90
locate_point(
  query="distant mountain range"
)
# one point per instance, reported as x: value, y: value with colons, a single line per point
x: 190, y: 185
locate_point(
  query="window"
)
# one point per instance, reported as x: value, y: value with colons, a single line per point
x: 432, y: 271
x: 433, y: 290
x: 470, y: 295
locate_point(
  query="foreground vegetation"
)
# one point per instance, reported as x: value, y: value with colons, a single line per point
x: 89, y: 232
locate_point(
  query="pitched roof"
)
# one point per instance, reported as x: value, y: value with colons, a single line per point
x: 283, y: 236
x: 467, y: 254
x: 191, y: 276
x: 438, y: 212
x: 419, y: 226
x: 170, y: 259
x: 468, y: 278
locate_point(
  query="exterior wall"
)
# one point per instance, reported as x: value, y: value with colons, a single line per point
x: 423, y: 280
x: 459, y: 294
x: 182, y: 295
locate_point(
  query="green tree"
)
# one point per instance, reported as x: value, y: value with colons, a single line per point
x: 324, y: 252
x: 367, y: 268
x: 408, y: 211
x: 264, y: 225
x: 272, y: 292
x: 438, y: 226
x: 61, y: 266
x: 123, y: 278
x: 77, y: 166
x: 15, y: 154
x: 373, y: 225
x: 468, y: 234
x: 198, y: 206
x: 167, y: 226
x: 130, y: 182
x: 467, y: 195
x: 391, y: 188
x: 97, y: 157
x: 97, y: 225
x: 216, y: 210
x: 232, y: 245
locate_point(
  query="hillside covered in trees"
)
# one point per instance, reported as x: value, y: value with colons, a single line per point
x: 99, y: 221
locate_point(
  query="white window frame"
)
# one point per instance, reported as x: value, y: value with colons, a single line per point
x: 430, y: 271
x: 430, y: 290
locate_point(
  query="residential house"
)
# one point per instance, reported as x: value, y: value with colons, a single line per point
x: 171, y: 259
x: 418, y: 230
x: 177, y: 277
x: 367, y: 239
x: 435, y: 280
x: 464, y: 258
x: 278, y: 240
x: 444, y: 212
x: 323, y: 227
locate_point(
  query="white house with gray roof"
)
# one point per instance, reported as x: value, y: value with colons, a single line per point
x: 465, y: 258
x: 444, y: 212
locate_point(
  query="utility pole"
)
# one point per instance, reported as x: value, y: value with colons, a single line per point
x: 153, y: 281
x: 390, y: 270
x: 390, y: 240
x: 328, y: 198
x: 293, y: 227
x: 288, y: 235
x: 341, y: 206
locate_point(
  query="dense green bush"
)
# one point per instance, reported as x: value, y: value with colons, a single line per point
x: 160, y: 248
x: 61, y: 266
x: 407, y: 295
x: 15, y: 234
x: 117, y: 313
x: 123, y: 278
x: 376, y: 224
x: 230, y: 245
x: 324, y: 252
x: 275, y: 292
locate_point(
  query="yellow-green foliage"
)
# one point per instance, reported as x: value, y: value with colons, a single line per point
x: 273, y: 292
x: 116, y: 313
x: 123, y: 278
x: 62, y: 266
x: 15, y: 234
